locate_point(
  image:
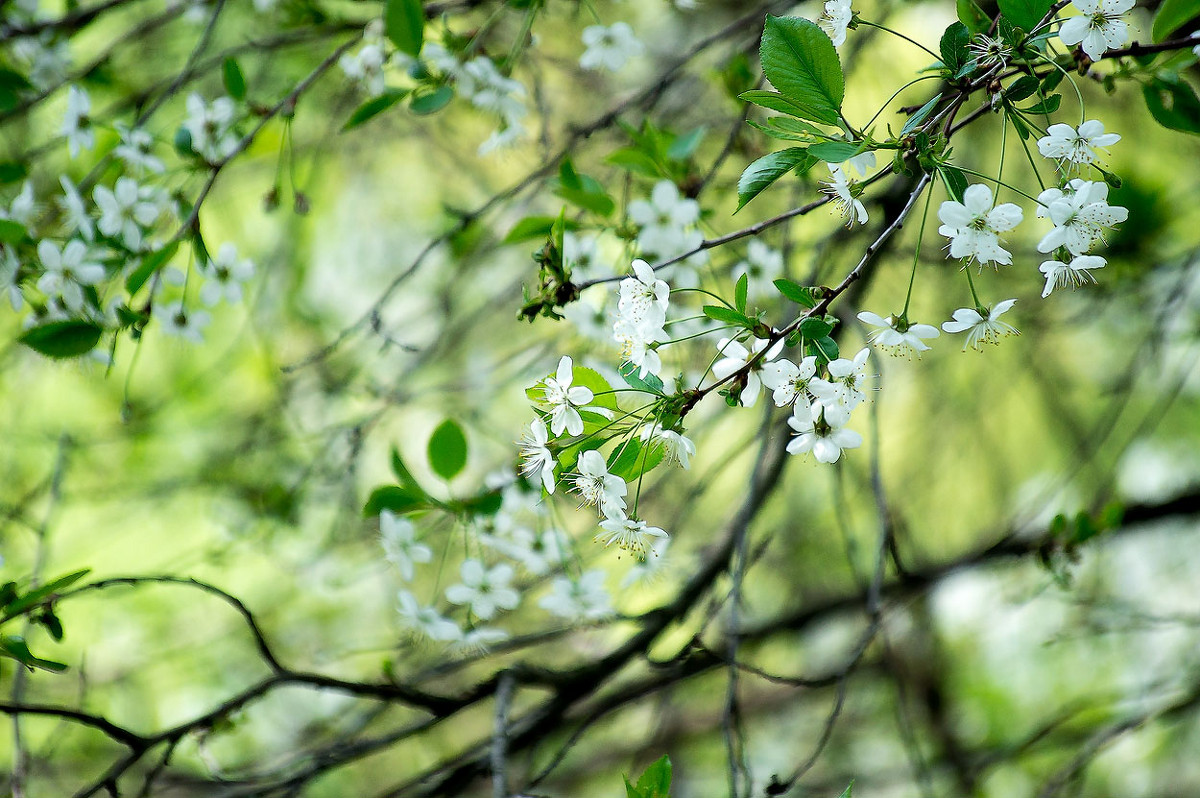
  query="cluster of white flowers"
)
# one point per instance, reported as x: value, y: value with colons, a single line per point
x: 366, y: 65
x: 667, y: 225
x: 641, y: 314
x: 486, y: 88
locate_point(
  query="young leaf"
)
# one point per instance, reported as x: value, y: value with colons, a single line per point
x: 685, y: 146
x: 403, y: 475
x: 823, y: 349
x: 14, y: 647
x: 150, y: 264
x: 235, y: 81
x: 447, y: 450
x: 972, y: 16
x: 62, y: 339
x: 629, y: 373
x: 773, y: 101
x: 801, y: 62
x: 431, y: 102
x: 1025, y: 14
x: 834, y: 151
x: 1173, y: 104
x: 1046, y: 106
x: 728, y: 316
x: 395, y: 499
x: 766, y: 170
x: 796, y: 292
x: 373, y: 107
x: 740, y: 290
x: 955, y: 181
x: 1172, y: 14
x: 404, y: 23
x: 814, y: 328
x: 953, y: 47
x: 656, y: 779
x: 631, y: 459
x: 532, y: 227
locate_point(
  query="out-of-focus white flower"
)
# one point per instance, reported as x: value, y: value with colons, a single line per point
x: 609, y: 48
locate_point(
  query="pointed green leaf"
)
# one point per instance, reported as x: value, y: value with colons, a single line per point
x: 12, y: 232
x: 774, y: 101
x: 629, y: 373
x: 953, y: 46
x: 740, y: 291
x: 62, y: 339
x: 431, y: 102
x: 767, y: 169
x: 1173, y: 104
x: 835, y: 151
x: 801, y: 62
x: 395, y: 499
x: 955, y: 181
x: 235, y: 81
x: 796, y: 292
x: 919, y: 116
x: 972, y: 16
x: 447, y: 450
x: 404, y: 23
x: 656, y: 779
x: 373, y: 107
x: 728, y: 316
x: 1172, y: 15
x: 16, y: 648
x: 1025, y: 14
x: 150, y: 264
x: 532, y: 227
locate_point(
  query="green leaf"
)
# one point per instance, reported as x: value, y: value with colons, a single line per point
x: 656, y: 779
x: 814, y: 328
x: 970, y: 14
x: 767, y: 169
x: 740, y: 291
x: 12, y: 171
x: 62, y: 339
x: 728, y: 316
x: 235, y: 81
x: 1172, y: 14
x: 834, y: 151
x: 401, y: 471
x: 15, y: 648
x: 634, y: 160
x: 685, y: 146
x: 1051, y: 81
x: 431, y: 102
x: 395, y: 499
x: 1025, y: 14
x: 823, y: 349
x: 631, y: 791
x: 1046, y: 106
x: 631, y: 459
x: 373, y: 107
x: 796, y: 292
x: 404, y: 23
x: 846, y: 792
x: 778, y: 131
x: 953, y: 47
x: 1173, y: 104
x: 12, y: 232
x: 150, y: 264
x: 447, y: 450
x: 801, y: 62
x: 954, y: 180
x: 1021, y: 88
x: 629, y: 373
x: 35, y: 597
x: 532, y: 227
x: 919, y: 117
x: 774, y: 101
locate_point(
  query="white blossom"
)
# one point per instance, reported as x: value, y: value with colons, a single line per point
x: 23, y: 208
x: 820, y: 432
x: 565, y: 399
x: 67, y: 270
x: 980, y: 328
x: 845, y: 388
x: 78, y: 218
x: 135, y: 150
x: 836, y: 19
x: 10, y: 269
x: 840, y: 188
x: 484, y: 590
x: 1079, y: 214
x: 973, y: 225
x: 643, y: 297
x: 536, y: 459
x: 224, y: 275
x: 1075, y: 273
x: 124, y: 211
x: 77, y: 127
x: 736, y: 357
x: 787, y: 380
x: 763, y: 264
x: 426, y: 620
x: 579, y: 599
x: 676, y: 447
x: 665, y: 223
x: 401, y: 547
x: 609, y: 48
x: 599, y: 488
x: 897, y: 335
x: 209, y: 126
x: 1076, y: 145
x: 630, y: 534
x: 1098, y: 27
x: 365, y: 67
x: 186, y: 323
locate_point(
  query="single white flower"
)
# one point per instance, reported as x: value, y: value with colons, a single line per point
x: 209, y: 126
x: 609, y: 48
x: 787, y: 380
x: 224, y: 275
x: 67, y: 270
x: 10, y: 270
x: 973, y: 225
x: 400, y: 544
x: 77, y: 127
x: 1098, y: 27
x: 565, y: 399
x: 643, y: 297
x: 820, y: 432
x: 835, y: 20
x: 846, y: 387
x: 1076, y: 145
x: 536, y: 459
x: 582, y: 599
x: 23, y: 208
x: 187, y: 323
x: 124, y: 211
x: 896, y: 334
x: 599, y: 488
x: 1079, y: 214
x: 676, y: 447
x: 135, y: 150
x: 78, y: 218
x: 763, y: 264
x: 1076, y: 273
x: 366, y: 68
x: 479, y: 640
x: 989, y: 51
x: 637, y: 340
x: 840, y: 188
x: 426, y: 620
x: 579, y: 253
x: 981, y: 329
x: 736, y: 357
x: 488, y: 90
x: 649, y: 570
x: 665, y: 222
x: 629, y: 534
x: 484, y: 590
